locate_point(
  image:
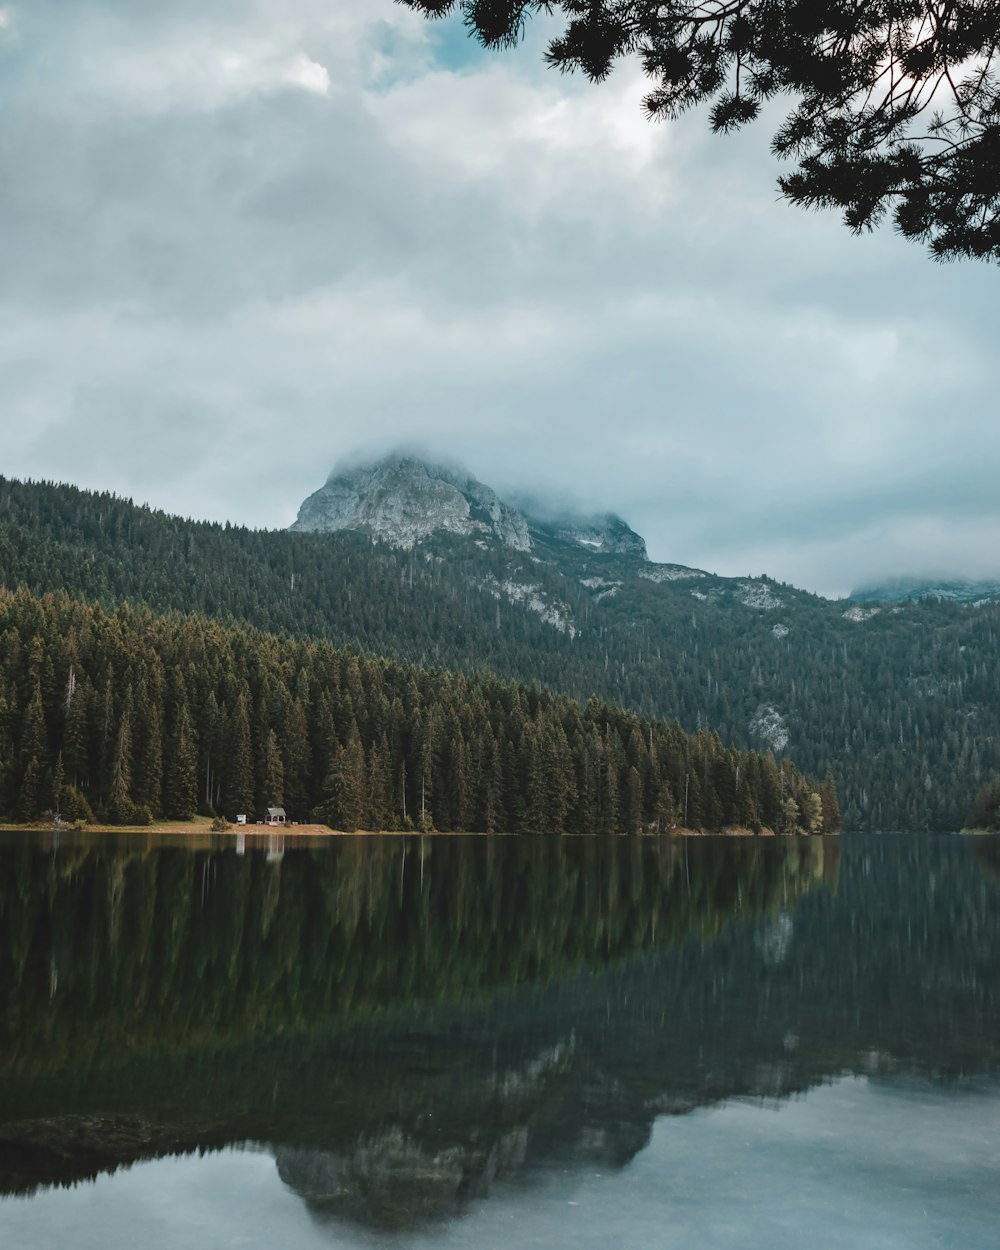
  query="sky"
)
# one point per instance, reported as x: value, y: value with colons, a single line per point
x: 242, y: 240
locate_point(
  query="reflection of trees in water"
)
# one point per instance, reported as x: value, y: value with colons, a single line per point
x: 109, y: 952
x: 582, y: 1028
x: 166, y: 999
x: 987, y: 852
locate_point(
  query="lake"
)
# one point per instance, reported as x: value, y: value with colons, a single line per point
x: 507, y: 1042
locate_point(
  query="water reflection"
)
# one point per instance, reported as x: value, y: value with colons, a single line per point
x: 410, y: 1025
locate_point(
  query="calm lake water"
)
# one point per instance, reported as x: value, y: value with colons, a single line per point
x: 510, y: 1043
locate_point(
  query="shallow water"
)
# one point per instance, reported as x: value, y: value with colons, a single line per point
x: 510, y: 1043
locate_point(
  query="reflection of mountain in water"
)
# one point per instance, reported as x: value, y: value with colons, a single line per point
x: 361, y: 998
x: 469, y: 1130
x: 556, y: 1024
x: 390, y: 1181
x: 489, y: 1128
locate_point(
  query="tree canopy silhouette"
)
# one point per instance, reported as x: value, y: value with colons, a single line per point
x: 896, y: 102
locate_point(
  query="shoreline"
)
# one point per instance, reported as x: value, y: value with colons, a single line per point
x: 202, y: 827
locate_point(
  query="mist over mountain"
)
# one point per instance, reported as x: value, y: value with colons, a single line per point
x: 949, y: 590
x: 403, y: 497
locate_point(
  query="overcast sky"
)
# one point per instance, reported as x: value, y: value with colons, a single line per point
x: 241, y: 239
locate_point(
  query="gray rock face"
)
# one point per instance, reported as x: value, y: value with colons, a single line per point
x: 401, y: 500
x: 607, y: 534
x: 902, y: 589
x: 603, y: 534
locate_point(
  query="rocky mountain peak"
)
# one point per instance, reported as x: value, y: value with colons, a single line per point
x: 402, y: 499
x: 606, y: 534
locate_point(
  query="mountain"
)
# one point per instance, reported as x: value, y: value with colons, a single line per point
x: 401, y: 500
x: 897, y: 700
x: 605, y: 534
x: 901, y: 589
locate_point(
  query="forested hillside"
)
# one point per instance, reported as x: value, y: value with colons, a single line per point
x: 132, y: 715
x: 901, y: 703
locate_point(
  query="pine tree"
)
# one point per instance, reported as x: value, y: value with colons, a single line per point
x: 493, y: 788
x: 180, y: 791
x: 427, y: 756
x: 558, y: 780
x: 29, y: 806
x: 148, y: 776
x: 240, y: 798
x: 107, y: 735
x: 34, y: 737
x: 632, y: 807
x: 120, y: 806
x: 789, y: 816
x: 58, y: 784
x: 377, y: 788
x: 664, y: 809
x: 347, y: 784
x: 76, y: 733
x: 272, y: 772
x: 455, y: 807
x: 831, y: 808
x: 296, y: 756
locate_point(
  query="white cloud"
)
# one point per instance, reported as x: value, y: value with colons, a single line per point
x: 903, y: 544
x: 532, y: 145
x: 278, y: 231
x: 206, y: 74
x: 188, y: 56
x: 309, y: 75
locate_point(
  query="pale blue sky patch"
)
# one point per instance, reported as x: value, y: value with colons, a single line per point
x: 454, y: 49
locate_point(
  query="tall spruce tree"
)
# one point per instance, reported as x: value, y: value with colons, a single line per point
x: 180, y: 791
x: 272, y: 773
x: 240, y: 789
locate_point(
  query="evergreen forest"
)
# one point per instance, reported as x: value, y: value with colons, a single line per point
x: 985, y: 810
x: 900, y: 703
x: 130, y: 716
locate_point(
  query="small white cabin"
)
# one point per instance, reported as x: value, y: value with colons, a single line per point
x: 241, y: 819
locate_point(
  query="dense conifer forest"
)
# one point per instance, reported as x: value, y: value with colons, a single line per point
x: 985, y: 810
x: 901, y: 705
x: 129, y: 715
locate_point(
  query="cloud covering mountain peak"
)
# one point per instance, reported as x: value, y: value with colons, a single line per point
x: 404, y: 497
